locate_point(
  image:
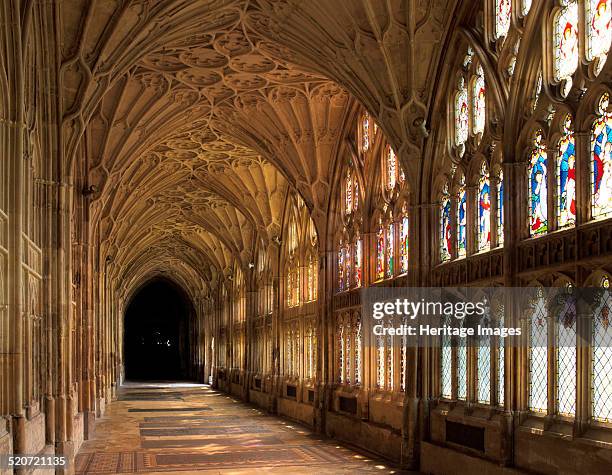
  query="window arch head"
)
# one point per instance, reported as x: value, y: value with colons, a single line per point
x: 598, y: 31
x: 461, y: 109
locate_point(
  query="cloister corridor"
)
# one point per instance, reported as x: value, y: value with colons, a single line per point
x: 187, y: 428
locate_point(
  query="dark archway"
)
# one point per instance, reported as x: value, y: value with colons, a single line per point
x: 157, y: 333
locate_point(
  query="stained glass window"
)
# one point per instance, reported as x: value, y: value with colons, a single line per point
x: 467, y: 59
x: 355, y: 194
x: 391, y: 168
x: 538, y: 189
x: 538, y: 356
x: 389, y: 251
x: 601, y: 356
x: 312, y: 278
x: 348, y: 266
x: 404, y: 243
x: 503, y: 9
x: 566, y: 175
x: 478, y: 101
x: 461, y: 114
x: 599, y: 29
x: 537, y: 91
x: 566, y: 40
x: 461, y: 220
x: 525, y: 7
x: 484, y: 209
x: 601, y: 168
x: 566, y: 358
x: 341, y: 269
x: 347, y: 353
x: 348, y: 194
x: 445, y: 226
x: 365, y: 133
x: 358, y: 263
x: 403, y: 358
x: 380, y: 253
x: 500, y: 208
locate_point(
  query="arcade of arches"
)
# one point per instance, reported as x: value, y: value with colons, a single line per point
x: 200, y: 190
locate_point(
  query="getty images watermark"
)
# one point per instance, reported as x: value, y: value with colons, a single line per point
x: 482, y: 316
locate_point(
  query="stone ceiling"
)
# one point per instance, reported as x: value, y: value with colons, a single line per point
x: 198, y: 116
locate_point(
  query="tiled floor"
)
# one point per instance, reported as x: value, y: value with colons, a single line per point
x: 188, y: 428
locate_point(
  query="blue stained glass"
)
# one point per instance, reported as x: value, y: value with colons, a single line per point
x: 601, y: 172
x: 566, y: 176
x: 461, y: 223
x: 484, y: 211
x: 445, y: 230
x: 500, y: 209
x: 538, y: 189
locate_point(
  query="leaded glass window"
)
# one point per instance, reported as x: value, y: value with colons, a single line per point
x: 391, y: 168
x: 565, y: 41
x: 404, y: 243
x: 341, y: 268
x: 389, y: 240
x: 566, y: 358
x: 380, y: 252
x: 503, y: 10
x: 380, y: 362
x: 358, y: 343
x: 538, y: 189
x: 601, y: 371
x: 538, y: 356
x: 461, y: 371
x: 598, y: 29
x: 348, y: 194
x: 445, y: 226
x: 461, y: 219
x: 461, y: 114
x: 501, y: 358
x: 365, y: 133
x: 484, y: 370
x: 446, y: 365
x: 478, y: 101
x: 601, y: 167
x: 484, y: 209
x: 566, y: 176
x: 525, y: 7
x: 358, y: 264
x: 390, y: 365
x: 500, y: 208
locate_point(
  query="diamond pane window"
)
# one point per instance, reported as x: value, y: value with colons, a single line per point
x: 538, y: 207
x: 389, y: 251
x: 566, y: 359
x: 461, y: 371
x: 484, y: 209
x: 358, y: 343
x: 461, y: 114
x: 601, y: 373
x: 538, y: 357
x: 503, y: 10
x: 461, y: 220
x: 599, y: 29
x: 601, y: 167
x: 484, y: 371
x: 566, y: 176
x: 380, y: 362
x: 565, y: 41
x: 500, y: 208
x: 347, y: 353
x: 404, y: 244
x: 478, y: 102
x: 390, y: 366
x: 403, y: 359
x: 340, y: 351
x: 501, y: 359
x: 446, y: 365
x: 445, y: 227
